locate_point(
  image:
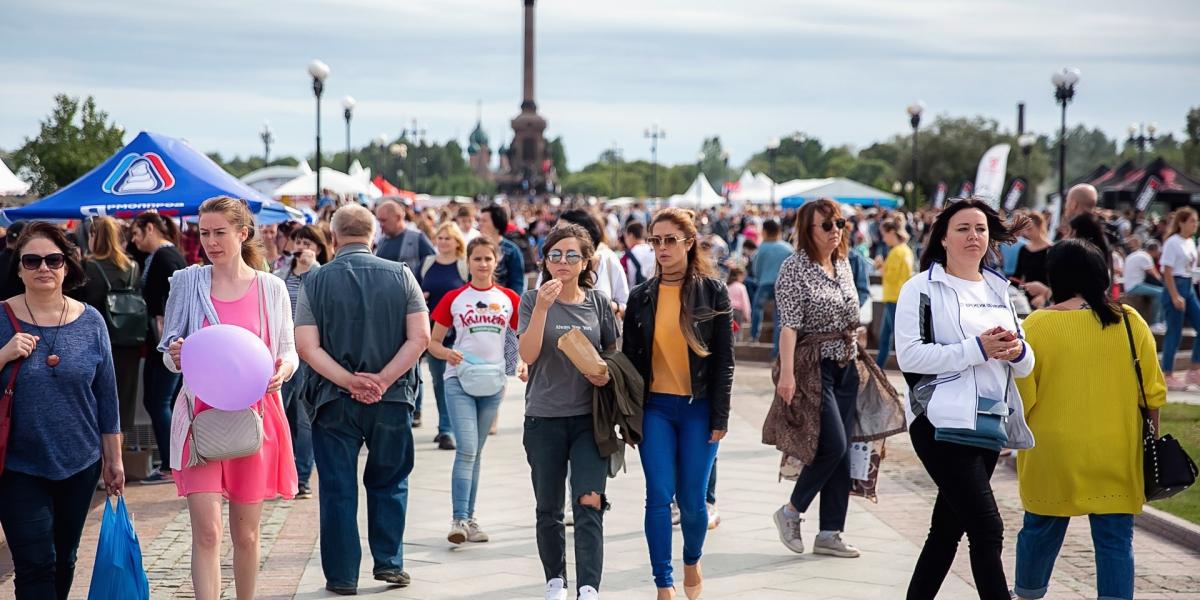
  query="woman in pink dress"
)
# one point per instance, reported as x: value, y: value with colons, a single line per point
x: 233, y: 293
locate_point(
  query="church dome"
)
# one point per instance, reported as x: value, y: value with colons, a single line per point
x: 478, y: 139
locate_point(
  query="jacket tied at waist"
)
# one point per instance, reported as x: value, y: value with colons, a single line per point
x: 794, y: 429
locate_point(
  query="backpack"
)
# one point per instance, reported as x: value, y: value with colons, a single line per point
x: 526, y: 249
x: 638, y: 278
x: 124, y: 312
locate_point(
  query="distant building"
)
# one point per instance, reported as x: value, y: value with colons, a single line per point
x: 480, y: 155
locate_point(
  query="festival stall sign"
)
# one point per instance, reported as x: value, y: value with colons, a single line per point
x: 844, y: 191
x: 1158, y: 181
x: 1015, y: 190
x: 153, y: 172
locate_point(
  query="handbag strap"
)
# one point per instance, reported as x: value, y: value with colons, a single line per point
x: 12, y: 377
x: 262, y: 322
x: 1137, y: 370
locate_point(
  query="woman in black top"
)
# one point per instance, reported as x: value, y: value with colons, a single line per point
x: 1031, y: 258
x: 157, y: 236
x: 107, y: 268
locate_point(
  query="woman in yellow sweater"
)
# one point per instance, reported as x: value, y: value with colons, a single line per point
x: 1081, y: 401
x: 896, y: 270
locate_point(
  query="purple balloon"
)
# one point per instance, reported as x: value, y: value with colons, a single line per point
x: 226, y: 366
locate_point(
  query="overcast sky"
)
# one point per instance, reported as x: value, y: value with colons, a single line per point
x: 211, y: 71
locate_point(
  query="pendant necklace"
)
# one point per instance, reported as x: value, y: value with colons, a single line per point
x: 52, y: 359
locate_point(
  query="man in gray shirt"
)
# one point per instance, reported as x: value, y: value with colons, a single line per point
x: 361, y: 325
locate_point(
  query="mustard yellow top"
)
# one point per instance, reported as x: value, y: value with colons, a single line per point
x: 671, y: 372
x: 1081, y: 401
x: 897, y: 269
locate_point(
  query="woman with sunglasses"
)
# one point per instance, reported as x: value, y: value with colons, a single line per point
x: 558, y: 410
x: 66, y: 430
x: 679, y: 335
x: 817, y: 309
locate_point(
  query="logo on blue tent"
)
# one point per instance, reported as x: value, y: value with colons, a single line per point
x: 139, y: 174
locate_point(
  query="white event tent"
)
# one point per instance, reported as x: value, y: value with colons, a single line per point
x: 699, y: 195
x: 339, y: 182
x: 10, y: 184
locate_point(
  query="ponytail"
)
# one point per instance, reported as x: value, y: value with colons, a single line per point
x: 238, y: 215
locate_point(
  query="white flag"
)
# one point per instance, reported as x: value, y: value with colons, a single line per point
x: 989, y: 179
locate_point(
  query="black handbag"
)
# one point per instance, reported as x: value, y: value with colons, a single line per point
x: 1166, y: 466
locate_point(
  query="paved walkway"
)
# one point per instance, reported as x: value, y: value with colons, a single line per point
x: 743, y: 558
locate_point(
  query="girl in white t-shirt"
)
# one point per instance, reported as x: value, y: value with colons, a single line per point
x: 480, y: 313
x: 1179, y: 296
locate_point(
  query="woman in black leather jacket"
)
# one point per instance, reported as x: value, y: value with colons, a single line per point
x: 679, y: 335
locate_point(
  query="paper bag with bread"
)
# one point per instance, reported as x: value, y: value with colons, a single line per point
x: 582, y: 353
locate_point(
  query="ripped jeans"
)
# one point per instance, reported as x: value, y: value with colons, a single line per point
x: 551, y: 443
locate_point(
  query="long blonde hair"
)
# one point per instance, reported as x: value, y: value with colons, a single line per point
x: 108, y: 243
x: 239, y: 215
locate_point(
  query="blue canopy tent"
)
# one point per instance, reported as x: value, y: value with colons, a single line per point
x: 153, y: 172
x: 845, y: 191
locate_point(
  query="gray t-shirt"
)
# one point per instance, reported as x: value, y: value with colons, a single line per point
x: 556, y: 388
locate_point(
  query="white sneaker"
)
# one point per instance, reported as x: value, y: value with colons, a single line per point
x: 835, y: 546
x: 474, y: 533
x: 569, y: 517
x: 714, y: 517
x: 789, y: 530
x: 458, y: 532
x: 1159, y: 328
x: 674, y: 514
x: 556, y: 589
x: 588, y: 592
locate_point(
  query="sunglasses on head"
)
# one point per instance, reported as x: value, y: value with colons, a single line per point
x: 32, y: 262
x: 557, y: 256
x: 668, y: 241
x: 828, y: 226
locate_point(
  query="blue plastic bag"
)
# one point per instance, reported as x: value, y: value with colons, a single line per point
x: 118, y: 572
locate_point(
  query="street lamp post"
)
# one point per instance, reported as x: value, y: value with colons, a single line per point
x: 725, y: 175
x: 319, y: 71
x: 1142, y: 135
x: 1064, y: 90
x: 614, y: 157
x: 699, y: 171
x: 348, y: 111
x: 399, y: 152
x: 772, y: 152
x: 914, y: 118
x: 1026, y: 142
x: 654, y: 133
x: 267, y: 136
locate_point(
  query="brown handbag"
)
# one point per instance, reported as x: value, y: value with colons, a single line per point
x: 6, y: 399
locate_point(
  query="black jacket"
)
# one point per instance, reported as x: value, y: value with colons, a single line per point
x: 618, y: 405
x: 712, y: 375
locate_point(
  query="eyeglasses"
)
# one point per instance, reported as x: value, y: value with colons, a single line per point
x: 557, y: 256
x: 666, y: 241
x: 32, y: 262
x: 828, y: 226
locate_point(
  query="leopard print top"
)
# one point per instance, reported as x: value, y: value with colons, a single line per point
x: 809, y: 301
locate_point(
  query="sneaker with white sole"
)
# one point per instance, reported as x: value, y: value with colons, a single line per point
x: 834, y: 546
x: 474, y: 533
x: 569, y: 518
x: 789, y: 530
x: 458, y: 532
x: 556, y: 589
x: 714, y: 517
x: 588, y: 592
x: 675, y: 513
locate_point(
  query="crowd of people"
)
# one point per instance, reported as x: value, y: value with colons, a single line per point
x: 987, y: 326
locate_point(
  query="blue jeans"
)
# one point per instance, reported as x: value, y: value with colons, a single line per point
x: 159, y: 388
x: 43, y: 520
x: 1155, y: 294
x: 471, y: 418
x: 886, y: 329
x: 1175, y: 318
x: 711, y: 495
x: 764, y: 292
x: 677, y: 457
x: 1041, y: 538
x: 339, y: 431
x: 437, y: 371
x: 297, y: 408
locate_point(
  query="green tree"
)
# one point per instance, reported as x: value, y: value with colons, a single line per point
x: 558, y: 155
x: 1191, y: 146
x: 714, y: 165
x: 73, y: 139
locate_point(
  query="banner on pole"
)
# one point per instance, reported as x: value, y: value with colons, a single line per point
x: 989, y: 178
x: 967, y: 190
x: 1015, y: 191
x: 1055, y: 208
x: 940, y: 197
x: 1148, y: 193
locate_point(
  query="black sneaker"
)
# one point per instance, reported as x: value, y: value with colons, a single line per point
x: 303, y: 492
x: 417, y: 419
x: 342, y: 590
x: 447, y: 443
x: 395, y: 577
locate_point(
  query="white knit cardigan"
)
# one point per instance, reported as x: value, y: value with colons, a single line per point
x: 189, y: 304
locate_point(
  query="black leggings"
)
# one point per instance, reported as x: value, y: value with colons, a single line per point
x: 964, y: 504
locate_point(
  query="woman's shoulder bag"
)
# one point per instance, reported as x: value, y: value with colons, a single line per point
x: 7, y: 399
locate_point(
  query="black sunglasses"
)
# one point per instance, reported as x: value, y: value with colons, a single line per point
x: 32, y: 262
x: 828, y: 226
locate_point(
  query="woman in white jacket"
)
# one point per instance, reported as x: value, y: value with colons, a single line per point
x: 960, y: 346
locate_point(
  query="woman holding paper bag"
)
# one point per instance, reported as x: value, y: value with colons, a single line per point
x: 679, y: 335
x: 558, y: 410
x: 479, y: 312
